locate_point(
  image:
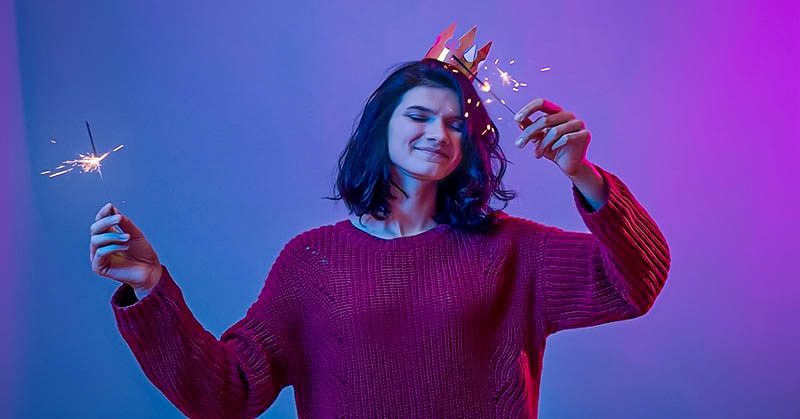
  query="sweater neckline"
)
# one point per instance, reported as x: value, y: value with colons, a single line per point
x: 356, y: 235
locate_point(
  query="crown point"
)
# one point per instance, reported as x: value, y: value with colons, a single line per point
x: 446, y: 49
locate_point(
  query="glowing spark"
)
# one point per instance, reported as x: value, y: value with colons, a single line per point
x: 523, y: 84
x: 545, y: 69
x: 486, y: 87
x: 515, y: 89
x: 61, y: 172
x: 512, y: 62
x: 499, y: 118
x: 477, y: 103
x: 469, y: 100
x: 466, y: 114
x: 488, y: 100
x: 484, y: 132
x: 87, y: 162
x: 52, y: 141
x: 505, y: 76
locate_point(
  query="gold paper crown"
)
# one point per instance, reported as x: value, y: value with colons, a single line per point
x: 455, y: 57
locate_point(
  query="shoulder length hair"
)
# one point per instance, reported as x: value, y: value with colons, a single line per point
x: 463, y: 197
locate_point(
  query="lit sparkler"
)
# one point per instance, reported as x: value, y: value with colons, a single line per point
x: 90, y: 162
x: 486, y: 87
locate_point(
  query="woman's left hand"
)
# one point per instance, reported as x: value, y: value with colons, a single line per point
x: 558, y: 135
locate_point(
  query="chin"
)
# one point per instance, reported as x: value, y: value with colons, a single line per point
x: 425, y: 170
x: 434, y: 174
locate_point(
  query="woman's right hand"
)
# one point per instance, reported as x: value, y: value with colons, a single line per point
x: 124, y: 256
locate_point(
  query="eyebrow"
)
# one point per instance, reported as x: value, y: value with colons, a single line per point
x: 424, y: 109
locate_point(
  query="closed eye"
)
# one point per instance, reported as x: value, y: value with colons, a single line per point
x: 418, y: 118
x: 455, y: 125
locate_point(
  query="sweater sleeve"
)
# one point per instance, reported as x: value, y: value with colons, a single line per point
x: 239, y: 375
x: 613, y: 273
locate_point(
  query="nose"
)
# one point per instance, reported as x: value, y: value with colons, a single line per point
x: 435, y: 131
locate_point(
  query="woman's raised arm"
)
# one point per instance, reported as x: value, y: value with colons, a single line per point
x: 613, y: 273
x: 239, y: 375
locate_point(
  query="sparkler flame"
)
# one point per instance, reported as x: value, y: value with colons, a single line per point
x: 504, y: 75
x: 87, y: 163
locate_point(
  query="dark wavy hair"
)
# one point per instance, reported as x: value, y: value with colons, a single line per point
x: 462, y: 198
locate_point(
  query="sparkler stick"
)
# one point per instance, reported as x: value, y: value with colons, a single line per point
x: 94, y: 149
x: 115, y: 228
x: 525, y: 123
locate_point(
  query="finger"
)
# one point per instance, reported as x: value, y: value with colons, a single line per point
x: 535, y: 105
x: 524, y: 123
x: 103, y: 253
x: 556, y: 132
x: 536, y: 130
x: 573, y: 136
x: 104, y: 224
x: 129, y: 227
x: 100, y: 240
x: 115, y: 211
x: 106, y: 210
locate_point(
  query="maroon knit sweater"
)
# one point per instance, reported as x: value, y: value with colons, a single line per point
x: 437, y: 325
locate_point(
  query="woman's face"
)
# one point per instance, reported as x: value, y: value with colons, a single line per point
x: 427, y: 118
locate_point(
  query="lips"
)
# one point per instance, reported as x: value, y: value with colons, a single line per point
x: 432, y: 150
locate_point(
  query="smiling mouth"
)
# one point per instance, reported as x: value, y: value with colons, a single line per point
x: 438, y: 153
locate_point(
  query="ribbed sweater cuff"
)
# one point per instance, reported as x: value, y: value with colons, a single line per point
x: 161, y: 303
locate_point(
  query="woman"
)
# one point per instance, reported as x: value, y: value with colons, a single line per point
x: 428, y: 302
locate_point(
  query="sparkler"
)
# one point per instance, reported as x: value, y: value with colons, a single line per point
x: 88, y: 163
x: 525, y: 123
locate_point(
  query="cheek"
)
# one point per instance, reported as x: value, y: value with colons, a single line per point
x: 400, y: 134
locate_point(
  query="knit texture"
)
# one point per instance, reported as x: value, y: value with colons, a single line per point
x: 443, y: 324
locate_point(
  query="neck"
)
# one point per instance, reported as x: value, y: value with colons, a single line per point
x: 409, y: 215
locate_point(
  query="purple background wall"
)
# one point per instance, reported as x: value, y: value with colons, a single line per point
x: 16, y: 206
x: 232, y: 118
